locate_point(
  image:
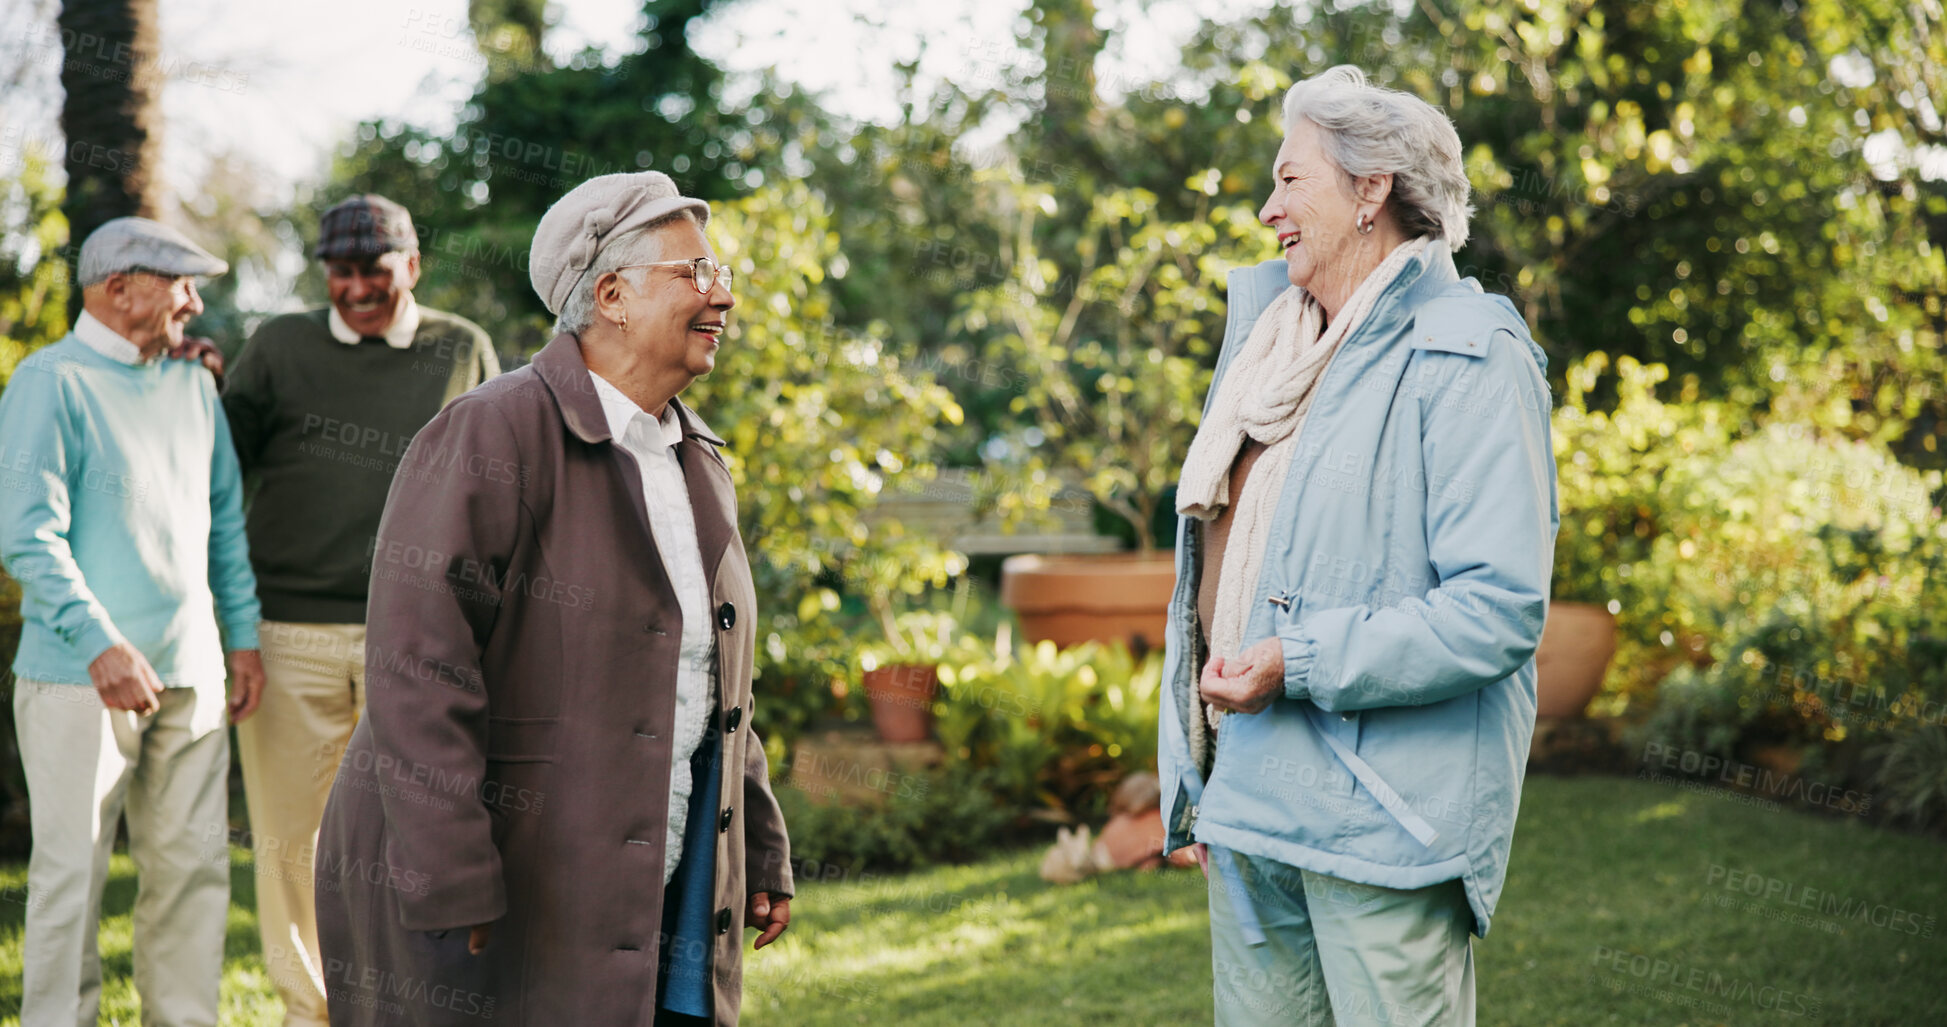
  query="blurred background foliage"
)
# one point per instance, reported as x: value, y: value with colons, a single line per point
x: 1724, y: 221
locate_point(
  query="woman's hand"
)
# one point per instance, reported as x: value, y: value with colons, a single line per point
x: 768, y: 915
x: 1245, y: 683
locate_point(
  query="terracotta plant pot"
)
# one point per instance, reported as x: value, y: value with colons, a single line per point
x: 1576, y: 644
x: 1073, y: 599
x: 902, y: 700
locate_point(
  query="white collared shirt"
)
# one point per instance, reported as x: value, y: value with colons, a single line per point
x: 398, y: 334
x: 107, y: 341
x: 672, y: 523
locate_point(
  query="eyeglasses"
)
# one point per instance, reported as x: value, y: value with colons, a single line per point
x: 704, y: 272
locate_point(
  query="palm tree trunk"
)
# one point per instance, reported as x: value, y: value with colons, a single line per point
x: 111, y: 69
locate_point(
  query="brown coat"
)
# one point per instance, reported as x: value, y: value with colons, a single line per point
x: 513, y: 763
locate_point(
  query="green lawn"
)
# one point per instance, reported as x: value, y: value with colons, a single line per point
x: 1606, y: 870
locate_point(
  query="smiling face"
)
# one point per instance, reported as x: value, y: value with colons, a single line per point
x: 1313, y: 208
x: 370, y: 292
x: 669, y: 322
x: 146, y: 308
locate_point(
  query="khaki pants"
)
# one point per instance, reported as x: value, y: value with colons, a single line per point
x: 314, y: 691
x: 1335, y: 952
x: 168, y: 771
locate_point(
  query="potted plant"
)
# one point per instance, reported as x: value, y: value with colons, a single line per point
x: 1112, y: 354
x: 901, y: 675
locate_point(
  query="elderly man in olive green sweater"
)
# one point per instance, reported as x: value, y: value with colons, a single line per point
x: 322, y: 405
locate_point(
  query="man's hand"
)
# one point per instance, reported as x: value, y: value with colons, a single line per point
x: 125, y: 681
x: 476, y: 939
x: 246, y: 682
x: 205, y: 351
x: 767, y: 916
x: 1245, y: 683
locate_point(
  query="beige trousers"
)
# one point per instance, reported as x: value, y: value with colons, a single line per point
x: 88, y: 766
x: 314, y: 691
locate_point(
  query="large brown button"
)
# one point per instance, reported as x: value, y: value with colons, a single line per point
x: 723, y: 920
x: 726, y: 616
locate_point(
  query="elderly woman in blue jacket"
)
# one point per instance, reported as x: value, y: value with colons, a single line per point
x: 1368, y: 523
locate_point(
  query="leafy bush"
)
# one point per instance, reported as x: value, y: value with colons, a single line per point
x: 1058, y: 728
x: 818, y: 419
x: 1806, y: 565
x: 956, y: 816
x: 1610, y: 470
x: 1032, y: 735
x: 1116, y: 359
x: 1912, y: 775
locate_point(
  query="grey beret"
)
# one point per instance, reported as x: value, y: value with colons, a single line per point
x: 575, y: 229
x: 130, y: 244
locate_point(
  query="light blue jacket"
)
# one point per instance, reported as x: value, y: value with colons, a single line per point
x: 1407, y: 580
x: 121, y: 515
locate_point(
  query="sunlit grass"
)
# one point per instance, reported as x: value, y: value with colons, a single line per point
x: 1601, y: 865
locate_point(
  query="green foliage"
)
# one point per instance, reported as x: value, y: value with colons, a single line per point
x: 1034, y: 731
x: 531, y: 132
x: 34, y: 276
x: 1115, y: 365
x: 1610, y: 465
x: 914, y: 637
x: 1684, y: 183
x: 953, y: 815
x: 1803, y: 568
x: 817, y: 423
x: 1912, y: 774
x: 1059, y: 728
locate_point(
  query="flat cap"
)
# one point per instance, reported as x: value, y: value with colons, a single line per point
x: 365, y: 226
x: 579, y: 224
x: 138, y: 244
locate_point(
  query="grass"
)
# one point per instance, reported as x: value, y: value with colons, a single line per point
x: 1604, y: 868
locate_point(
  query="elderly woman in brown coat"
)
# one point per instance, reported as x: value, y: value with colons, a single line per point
x: 555, y: 810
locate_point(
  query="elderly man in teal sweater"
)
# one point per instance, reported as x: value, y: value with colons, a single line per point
x: 121, y: 516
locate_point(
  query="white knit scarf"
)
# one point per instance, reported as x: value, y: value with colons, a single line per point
x: 1265, y: 395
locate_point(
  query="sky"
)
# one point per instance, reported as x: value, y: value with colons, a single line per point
x: 284, y: 81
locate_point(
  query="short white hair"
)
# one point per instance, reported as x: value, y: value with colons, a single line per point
x: 641, y: 246
x: 1371, y: 130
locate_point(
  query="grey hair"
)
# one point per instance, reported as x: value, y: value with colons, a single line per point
x: 640, y: 246
x: 1372, y: 130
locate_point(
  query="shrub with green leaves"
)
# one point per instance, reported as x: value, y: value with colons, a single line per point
x: 1060, y: 728
x: 955, y: 817
x: 1611, y: 462
x: 819, y: 419
x: 1809, y: 566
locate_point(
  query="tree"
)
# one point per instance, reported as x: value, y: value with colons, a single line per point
x: 112, y: 115
x: 531, y: 132
x: 34, y: 276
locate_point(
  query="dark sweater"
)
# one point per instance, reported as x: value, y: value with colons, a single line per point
x: 319, y: 427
